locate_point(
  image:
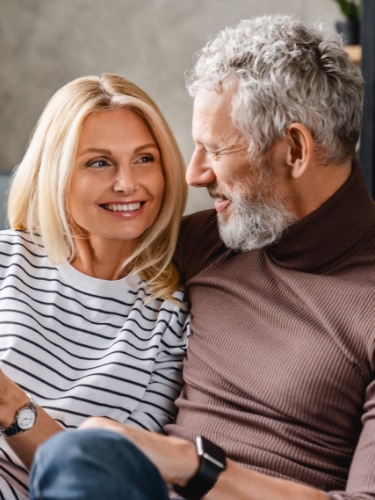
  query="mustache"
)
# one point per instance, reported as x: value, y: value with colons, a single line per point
x: 215, y: 192
x: 247, y: 197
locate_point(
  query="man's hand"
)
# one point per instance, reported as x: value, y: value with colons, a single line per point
x: 177, y: 462
x: 176, y: 459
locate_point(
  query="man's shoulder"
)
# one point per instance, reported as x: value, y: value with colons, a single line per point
x: 197, y: 223
x: 199, y: 232
x: 199, y: 242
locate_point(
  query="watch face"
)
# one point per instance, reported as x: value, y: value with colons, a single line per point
x: 26, y: 418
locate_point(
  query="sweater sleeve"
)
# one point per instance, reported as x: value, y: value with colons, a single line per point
x: 361, y: 479
x: 157, y: 407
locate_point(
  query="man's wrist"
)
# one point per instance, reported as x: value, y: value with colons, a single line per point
x: 212, y: 461
x: 189, y: 465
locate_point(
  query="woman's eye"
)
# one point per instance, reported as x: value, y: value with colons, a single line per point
x: 97, y: 163
x: 146, y: 159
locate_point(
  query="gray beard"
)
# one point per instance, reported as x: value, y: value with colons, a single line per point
x: 254, y: 225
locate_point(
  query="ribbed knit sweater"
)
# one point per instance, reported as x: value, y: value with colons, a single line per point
x: 280, y: 365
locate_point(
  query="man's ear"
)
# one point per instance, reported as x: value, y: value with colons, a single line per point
x: 300, y: 149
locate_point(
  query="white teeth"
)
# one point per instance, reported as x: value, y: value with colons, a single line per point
x: 123, y: 207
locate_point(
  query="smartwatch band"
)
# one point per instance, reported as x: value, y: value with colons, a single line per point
x: 212, y: 463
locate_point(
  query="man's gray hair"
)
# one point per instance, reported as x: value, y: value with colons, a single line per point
x: 286, y: 71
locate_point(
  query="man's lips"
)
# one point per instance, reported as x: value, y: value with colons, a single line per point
x: 221, y: 204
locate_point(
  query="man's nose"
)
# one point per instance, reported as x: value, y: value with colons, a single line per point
x: 199, y: 173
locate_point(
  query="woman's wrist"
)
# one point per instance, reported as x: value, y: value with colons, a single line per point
x: 12, y: 398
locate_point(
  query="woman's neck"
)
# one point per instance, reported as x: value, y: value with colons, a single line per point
x: 103, y: 260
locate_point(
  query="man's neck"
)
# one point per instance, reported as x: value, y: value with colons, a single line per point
x: 316, y: 186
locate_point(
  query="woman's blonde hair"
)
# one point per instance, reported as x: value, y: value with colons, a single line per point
x: 38, y: 195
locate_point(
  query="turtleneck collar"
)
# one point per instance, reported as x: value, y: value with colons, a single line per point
x: 330, y: 231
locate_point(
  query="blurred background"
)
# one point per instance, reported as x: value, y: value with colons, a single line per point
x: 46, y: 43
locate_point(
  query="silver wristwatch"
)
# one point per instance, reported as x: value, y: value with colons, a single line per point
x: 24, y: 420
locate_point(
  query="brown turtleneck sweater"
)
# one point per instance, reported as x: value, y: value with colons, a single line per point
x: 280, y: 364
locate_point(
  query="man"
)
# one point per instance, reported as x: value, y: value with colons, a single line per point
x: 279, y: 375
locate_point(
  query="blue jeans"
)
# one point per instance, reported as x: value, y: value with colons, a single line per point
x: 93, y: 464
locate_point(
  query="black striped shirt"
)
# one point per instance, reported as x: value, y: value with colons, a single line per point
x: 83, y: 346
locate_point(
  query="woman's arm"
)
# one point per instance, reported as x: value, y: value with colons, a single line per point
x: 12, y: 398
x: 157, y: 408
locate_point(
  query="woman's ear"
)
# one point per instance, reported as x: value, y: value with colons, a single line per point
x: 300, y: 149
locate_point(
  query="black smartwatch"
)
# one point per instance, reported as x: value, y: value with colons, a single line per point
x: 212, y: 463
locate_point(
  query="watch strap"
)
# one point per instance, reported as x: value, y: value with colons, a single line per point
x: 212, y: 463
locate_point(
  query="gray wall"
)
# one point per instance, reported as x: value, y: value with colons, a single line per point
x: 46, y: 43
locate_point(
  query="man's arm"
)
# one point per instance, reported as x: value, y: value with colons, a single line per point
x: 177, y: 462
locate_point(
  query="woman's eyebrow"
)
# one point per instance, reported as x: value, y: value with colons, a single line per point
x: 95, y: 150
x: 146, y: 146
x: 107, y: 152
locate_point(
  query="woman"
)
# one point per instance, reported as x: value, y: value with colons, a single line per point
x: 93, y: 318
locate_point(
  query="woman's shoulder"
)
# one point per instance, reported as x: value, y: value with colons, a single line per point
x: 15, y: 242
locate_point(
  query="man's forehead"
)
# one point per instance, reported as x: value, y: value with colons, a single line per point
x: 214, y: 101
x: 211, y: 114
x: 212, y: 121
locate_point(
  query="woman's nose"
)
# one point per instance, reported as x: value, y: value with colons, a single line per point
x: 125, y: 181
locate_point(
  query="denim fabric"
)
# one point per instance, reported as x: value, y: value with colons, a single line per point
x: 93, y: 464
